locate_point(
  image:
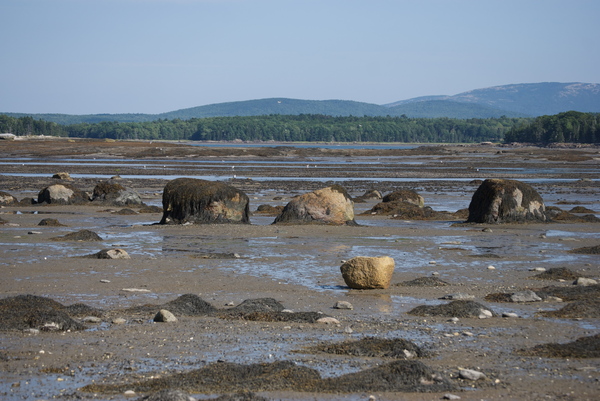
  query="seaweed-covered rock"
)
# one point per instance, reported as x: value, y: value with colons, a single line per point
x: 7, y: 199
x: 424, y: 282
x: 363, y: 272
x: 368, y: 195
x: 405, y: 195
x: 62, y: 176
x: 571, y: 293
x: 331, y: 205
x: 189, y: 305
x: 62, y: 194
x: 587, y: 250
x: 269, y: 210
x: 81, y: 235
x: 190, y: 200
x: 504, y: 201
x: 34, y: 312
x: 558, y: 273
x: 582, y: 309
x: 115, y: 253
x: 49, y: 222
x: 112, y: 193
x: 459, y: 308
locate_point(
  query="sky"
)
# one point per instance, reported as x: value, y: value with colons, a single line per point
x: 155, y: 56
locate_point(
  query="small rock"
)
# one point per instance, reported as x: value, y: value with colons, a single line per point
x: 34, y: 232
x: 469, y: 374
x: 129, y: 393
x: 119, y: 320
x: 538, y: 269
x: 91, y: 319
x: 509, y: 314
x: 487, y: 230
x: 453, y: 320
x: 328, y: 320
x: 348, y: 330
x: 343, y: 305
x: 583, y: 281
x: 165, y: 316
x: 105, y: 281
x: 433, y: 262
x: 31, y: 331
x: 135, y: 290
x: 457, y: 296
x: 484, y: 314
x: 490, y: 267
x: 449, y: 396
x: 552, y: 298
x: 525, y: 296
x: 115, y: 253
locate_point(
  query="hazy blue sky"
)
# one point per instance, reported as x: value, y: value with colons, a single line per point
x: 152, y: 56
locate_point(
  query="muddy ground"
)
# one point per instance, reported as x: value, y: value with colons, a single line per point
x: 299, y: 267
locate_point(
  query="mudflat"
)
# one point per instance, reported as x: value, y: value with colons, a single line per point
x: 526, y: 350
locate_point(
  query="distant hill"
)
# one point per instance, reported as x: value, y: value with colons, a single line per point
x: 516, y: 100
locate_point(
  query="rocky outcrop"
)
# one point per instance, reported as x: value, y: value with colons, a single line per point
x: 505, y: 201
x: 62, y: 194
x: 7, y: 199
x: 331, y: 205
x: 194, y: 201
x: 364, y: 272
x: 112, y: 193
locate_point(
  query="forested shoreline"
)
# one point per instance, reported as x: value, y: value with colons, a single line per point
x: 564, y: 127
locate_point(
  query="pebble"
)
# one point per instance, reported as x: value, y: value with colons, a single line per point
x: 31, y: 331
x: 509, y: 314
x: 449, y: 396
x: 34, y: 232
x: 485, y: 314
x: 432, y: 262
x: 348, y: 330
x: 135, y: 290
x: 129, y: 393
x: 487, y: 230
x: 119, y: 320
x: 469, y: 374
x: 490, y: 267
x: 328, y: 320
x: 583, y: 281
x: 538, y: 269
x: 105, y: 281
x: 343, y: 305
x: 453, y: 320
x: 91, y: 319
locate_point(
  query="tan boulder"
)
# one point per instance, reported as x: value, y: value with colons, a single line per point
x: 331, y: 205
x: 364, y: 272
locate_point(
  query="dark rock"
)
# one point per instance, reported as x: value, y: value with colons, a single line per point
x: 331, y: 205
x: 504, y: 201
x: 581, y: 209
x: 50, y: 222
x: 7, y: 199
x: 572, y: 293
x: 189, y: 200
x: 125, y: 212
x: 62, y: 194
x: 459, y: 308
x: 584, y: 347
x: 150, y: 209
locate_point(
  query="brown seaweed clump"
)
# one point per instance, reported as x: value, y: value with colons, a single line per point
x: 558, y: 273
x: 398, y: 376
x: 587, y: 250
x: 81, y: 235
x: 34, y: 312
x: 372, y: 347
x: 424, y: 282
x: 459, y: 308
x: 583, y: 309
x: 584, y: 347
x: 571, y: 293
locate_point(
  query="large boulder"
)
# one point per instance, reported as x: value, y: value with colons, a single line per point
x: 331, y: 205
x: 363, y: 272
x: 505, y: 201
x: 190, y: 200
x: 7, y: 199
x: 113, y: 193
x: 62, y: 194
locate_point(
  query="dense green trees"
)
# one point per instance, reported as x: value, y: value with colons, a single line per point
x: 281, y: 128
x: 571, y: 126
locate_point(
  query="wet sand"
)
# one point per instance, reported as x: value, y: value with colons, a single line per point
x: 296, y: 265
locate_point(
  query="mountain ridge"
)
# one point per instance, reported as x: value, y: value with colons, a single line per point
x: 512, y: 100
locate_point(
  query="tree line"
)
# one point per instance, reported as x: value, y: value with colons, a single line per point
x: 568, y: 127
x: 280, y: 128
